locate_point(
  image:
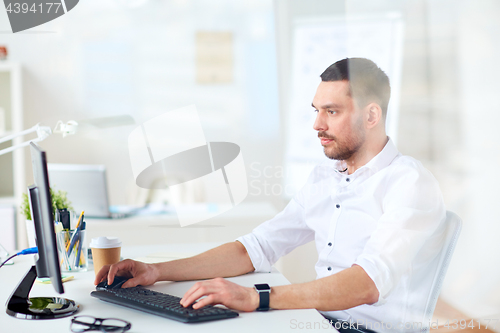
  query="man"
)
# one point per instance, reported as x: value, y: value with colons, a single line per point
x: 376, y: 217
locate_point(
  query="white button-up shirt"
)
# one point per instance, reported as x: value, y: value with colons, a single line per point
x: 387, y: 217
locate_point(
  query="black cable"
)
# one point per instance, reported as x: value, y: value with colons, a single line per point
x: 31, y: 250
x: 15, y: 255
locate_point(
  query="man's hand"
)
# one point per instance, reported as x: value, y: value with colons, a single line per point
x: 221, y: 291
x: 139, y: 272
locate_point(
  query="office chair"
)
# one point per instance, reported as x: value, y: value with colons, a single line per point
x: 452, y: 231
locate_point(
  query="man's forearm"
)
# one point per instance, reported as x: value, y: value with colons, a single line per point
x: 346, y: 289
x: 230, y: 259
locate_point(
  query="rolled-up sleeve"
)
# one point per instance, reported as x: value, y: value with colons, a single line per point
x: 413, y: 210
x: 277, y: 237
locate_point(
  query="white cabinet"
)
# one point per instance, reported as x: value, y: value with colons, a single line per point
x: 12, y: 167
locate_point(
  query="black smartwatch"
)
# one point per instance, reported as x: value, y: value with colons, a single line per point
x: 264, y: 290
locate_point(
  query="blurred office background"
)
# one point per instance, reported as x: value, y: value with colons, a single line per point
x: 140, y: 57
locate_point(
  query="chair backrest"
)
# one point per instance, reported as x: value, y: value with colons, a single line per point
x: 453, y: 226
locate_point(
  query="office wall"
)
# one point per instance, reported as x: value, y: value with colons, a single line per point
x: 448, y: 121
x: 477, y: 279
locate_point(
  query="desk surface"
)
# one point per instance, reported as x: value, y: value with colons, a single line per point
x: 79, y: 290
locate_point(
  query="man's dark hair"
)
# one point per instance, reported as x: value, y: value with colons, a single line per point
x: 367, y: 82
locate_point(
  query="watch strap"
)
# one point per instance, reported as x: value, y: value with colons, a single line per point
x: 264, y: 290
x: 264, y: 301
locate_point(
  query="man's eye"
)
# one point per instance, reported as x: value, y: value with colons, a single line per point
x: 315, y: 110
x: 332, y: 111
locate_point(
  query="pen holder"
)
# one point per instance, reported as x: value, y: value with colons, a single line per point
x: 72, y: 249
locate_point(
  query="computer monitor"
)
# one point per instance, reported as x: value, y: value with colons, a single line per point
x: 20, y: 305
x: 85, y: 184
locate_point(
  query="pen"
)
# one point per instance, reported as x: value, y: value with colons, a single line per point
x: 79, y: 251
x: 74, y: 238
x: 79, y: 219
x: 72, y: 241
x: 82, y: 237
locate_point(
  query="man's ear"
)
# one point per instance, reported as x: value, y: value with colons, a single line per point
x: 374, y: 114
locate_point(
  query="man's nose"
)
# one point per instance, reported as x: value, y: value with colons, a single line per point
x: 320, y: 122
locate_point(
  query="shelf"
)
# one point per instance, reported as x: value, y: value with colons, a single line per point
x: 12, y: 166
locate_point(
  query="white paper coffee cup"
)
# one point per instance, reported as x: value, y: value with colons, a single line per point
x: 105, y: 251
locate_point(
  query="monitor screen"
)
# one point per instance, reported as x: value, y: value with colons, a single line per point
x: 43, y: 218
x: 20, y: 305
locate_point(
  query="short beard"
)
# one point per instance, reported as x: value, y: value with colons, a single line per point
x: 347, y: 148
x: 344, y: 152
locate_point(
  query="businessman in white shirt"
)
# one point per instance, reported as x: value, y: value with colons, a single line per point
x: 375, y: 215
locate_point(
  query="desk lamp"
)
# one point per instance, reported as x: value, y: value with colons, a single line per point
x: 69, y: 128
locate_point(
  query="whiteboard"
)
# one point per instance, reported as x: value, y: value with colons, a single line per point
x: 317, y: 44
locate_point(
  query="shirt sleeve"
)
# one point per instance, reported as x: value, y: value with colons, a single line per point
x: 277, y: 237
x: 413, y: 210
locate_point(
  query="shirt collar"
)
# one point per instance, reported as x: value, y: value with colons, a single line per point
x: 380, y: 161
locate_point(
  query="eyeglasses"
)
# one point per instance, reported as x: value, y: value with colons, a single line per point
x: 89, y: 323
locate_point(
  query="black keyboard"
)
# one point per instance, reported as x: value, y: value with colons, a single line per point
x: 160, y: 304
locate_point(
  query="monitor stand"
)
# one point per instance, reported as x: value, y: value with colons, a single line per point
x: 21, y: 306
